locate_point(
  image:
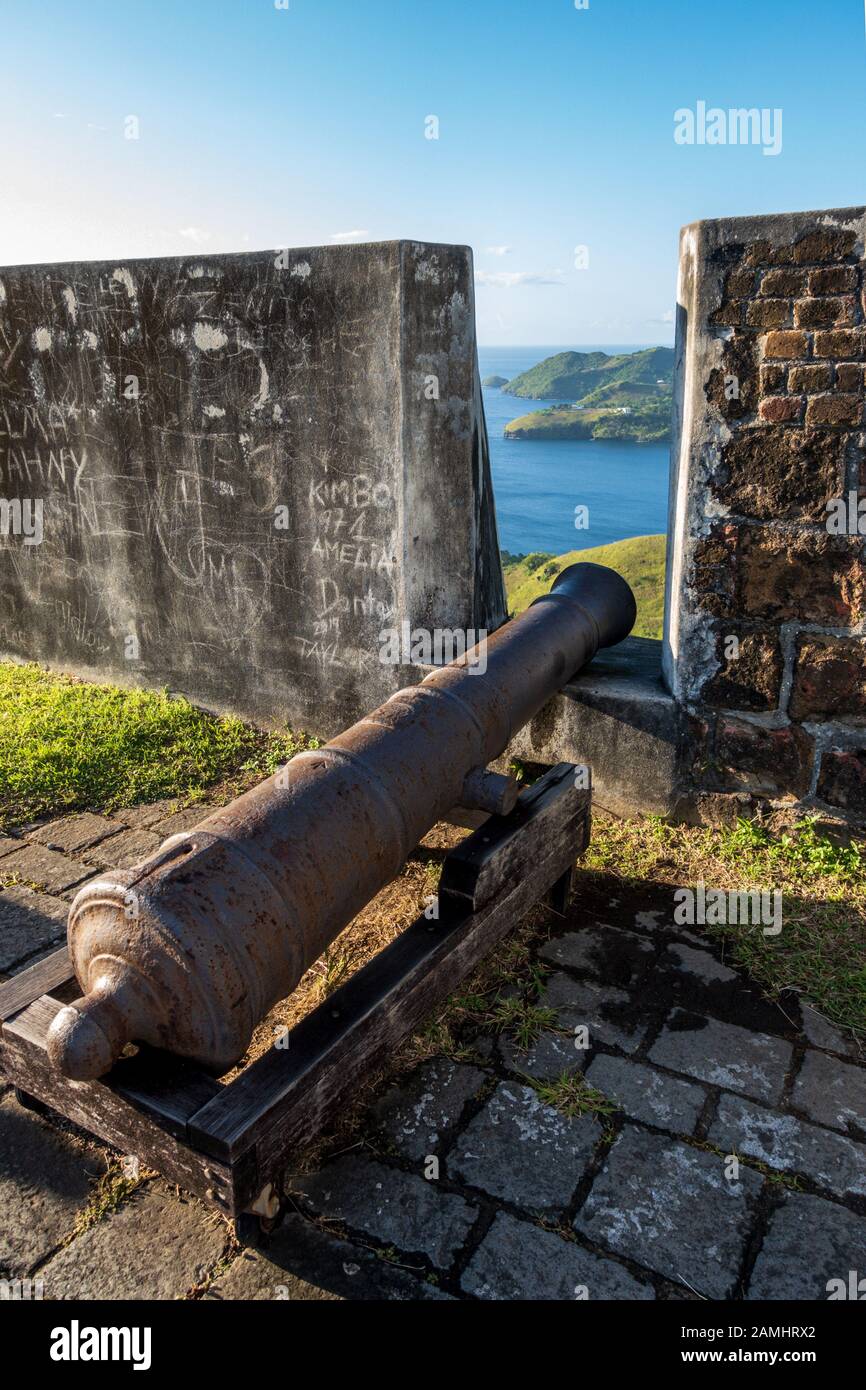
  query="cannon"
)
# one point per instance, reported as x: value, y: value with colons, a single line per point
x: 190, y: 949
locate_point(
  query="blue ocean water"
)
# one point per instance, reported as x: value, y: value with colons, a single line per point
x: 538, y: 484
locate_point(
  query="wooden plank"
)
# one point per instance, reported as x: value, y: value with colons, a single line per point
x: 47, y: 974
x: 481, y: 867
x: 146, y: 1117
x: 285, y: 1097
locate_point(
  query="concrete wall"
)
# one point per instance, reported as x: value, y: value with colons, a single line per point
x: 248, y: 467
x: 765, y: 645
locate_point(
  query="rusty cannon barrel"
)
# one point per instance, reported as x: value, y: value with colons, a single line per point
x: 190, y: 949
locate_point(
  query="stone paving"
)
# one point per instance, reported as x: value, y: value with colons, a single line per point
x: 728, y: 1160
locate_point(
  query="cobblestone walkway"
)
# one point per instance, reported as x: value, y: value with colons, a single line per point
x: 465, y: 1183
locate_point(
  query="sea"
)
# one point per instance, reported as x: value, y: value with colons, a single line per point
x: 538, y: 484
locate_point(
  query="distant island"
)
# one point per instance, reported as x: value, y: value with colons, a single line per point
x: 495, y: 381
x: 625, y: 396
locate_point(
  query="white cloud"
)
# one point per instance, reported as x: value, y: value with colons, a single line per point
x: 196, y: 234
x: 666, y: 318
x: 349, y: 236
x: 510, y: 279
x: 498, y: 250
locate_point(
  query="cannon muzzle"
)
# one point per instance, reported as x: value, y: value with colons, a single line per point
x: 190, y: 949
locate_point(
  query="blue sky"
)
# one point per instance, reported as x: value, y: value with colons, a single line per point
x: 263, y: 127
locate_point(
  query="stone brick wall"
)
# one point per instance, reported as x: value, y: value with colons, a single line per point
x: 765, y: 647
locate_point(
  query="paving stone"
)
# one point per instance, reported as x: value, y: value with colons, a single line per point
x: 147, y: 814
x: 29, y: 922
x: 723, y: 1054
x: 396, y: 1208
x: 124, y: 850
x: 809, y: 1243
x: 524, y: 1151
x: 181, y: 820
x: 154, y: 1246
x: 45, y: 1178
x: 832, y: 1092
x: 44, y: 867
x: 74, y: 832
x: 671, y: 1208
x: 304, y: 1263
x: 821, y: 1033
x: 519, y: 1261
x: 552, y: 1056
x: 608, y: 1013
x: 646, y: 1094
x: 253, y: 1277
x: 783, y: 1141
x: 415, y: 1113
x: 699, y: 965
x: 8, y: 843
x: 614, y: 956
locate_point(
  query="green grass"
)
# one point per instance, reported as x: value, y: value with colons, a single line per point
x: 640, y: 560
x: 66, y: 745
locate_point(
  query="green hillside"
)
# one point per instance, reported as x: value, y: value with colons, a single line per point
x: 597, y: 378
x: 640, y: 560
x: 643, y: 424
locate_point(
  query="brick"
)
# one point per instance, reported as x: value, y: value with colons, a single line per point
x: 825, y: 313
x: 29, y: 922
x: 523, y: 1151
x: 755, y: 758
x: 837, y: 279
x: 665, y: 1205
x: 759, y: 254
x: 840, y: 342
x: 723, y: 1054
x: 393, y: 1207
x: 73, y: 833
x: 814, y: 578
x: 124, y: 850
x: 44, y: 1181
x: 810, y: 379
x: 776, y: 474
x: 752, y: 680
x: 769, y: 313
x: 613, y: 956
x: 779, y: 410
x: 789, y: 1145
x: 829, y: 678
x: 417, y: 1112
x: 154, y: 1246
x: 832, y: 1093
x: 826, y: 244
x: 849, y: 377
x: 836, y: 409
x: 648, y: 1095
x: 784, y: 283
x: 809, y: 1243
x: 517, y: 1261
x: 732, y: 386
x: 728, y: 315
x: 610, y: 1014
x: 786, y: 343
x: 842, y: 779
x: 34, y: 864
x: 774, y: 378
x: 549, y: 1058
